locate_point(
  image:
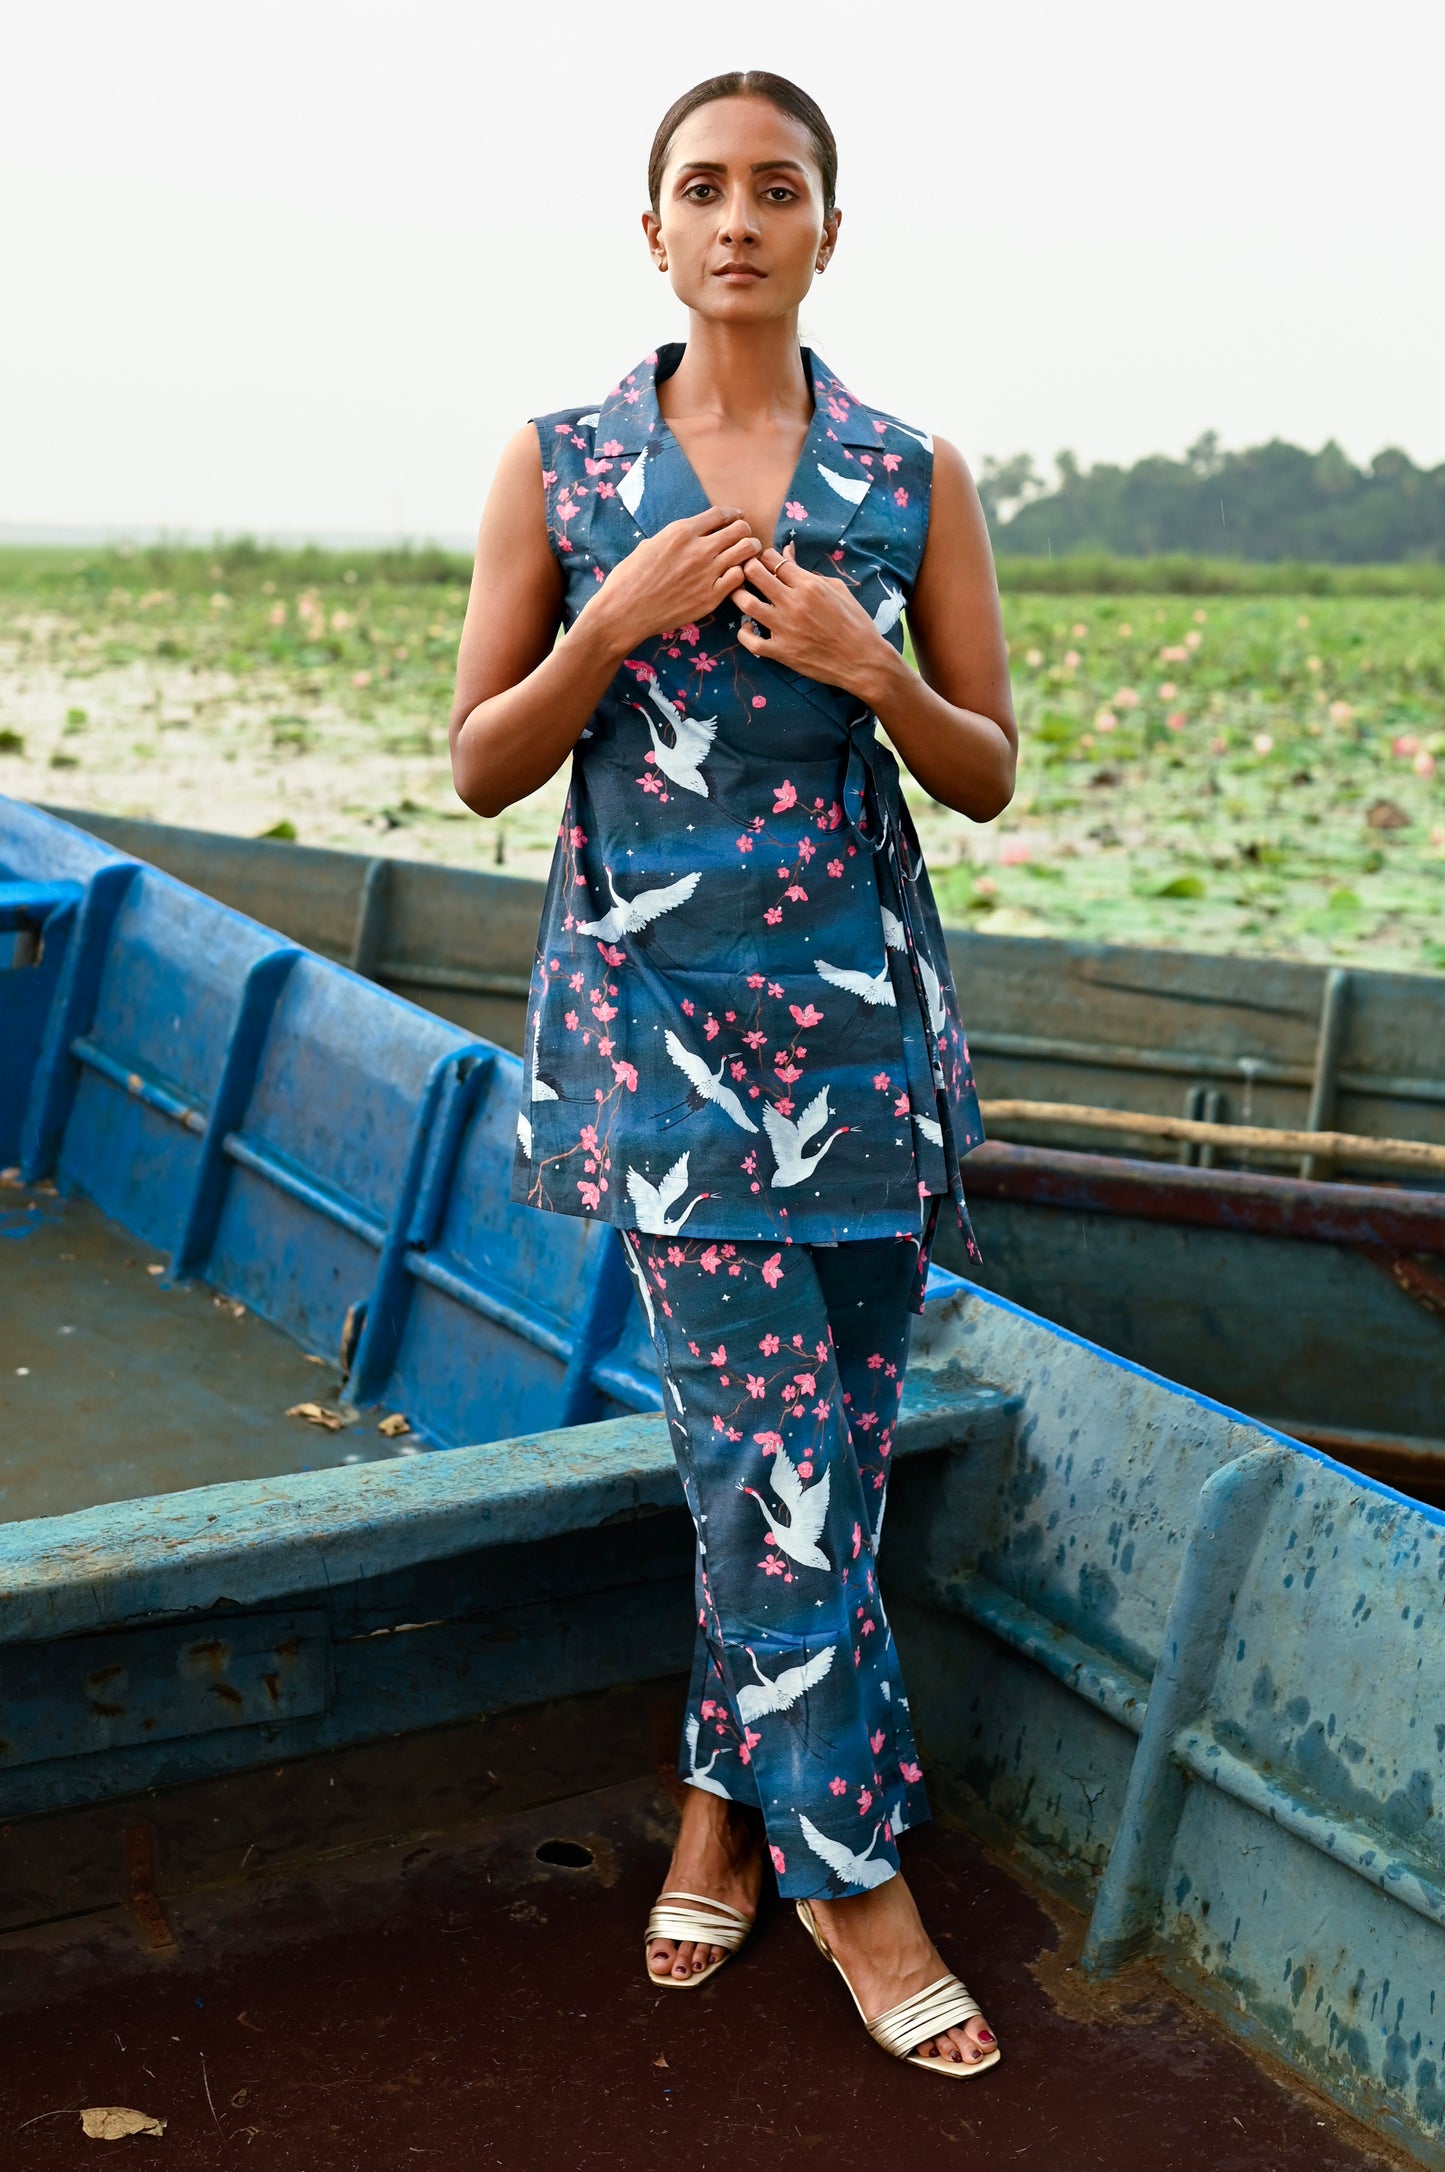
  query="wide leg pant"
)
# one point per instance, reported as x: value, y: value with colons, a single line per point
x: 782, y: 1371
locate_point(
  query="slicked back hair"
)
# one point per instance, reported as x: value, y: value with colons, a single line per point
x: 748, y: 83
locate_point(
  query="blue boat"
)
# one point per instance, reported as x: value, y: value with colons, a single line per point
x: 313, y: 1439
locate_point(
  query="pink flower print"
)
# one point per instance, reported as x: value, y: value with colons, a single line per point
x: 876, y: 1742
x: 575, y: 983
x: 702, y: 662
x: 880, y: 427
x: 570, y: 1021
x: 867, y: 1629
x: 796, y: 894
x: 771, y: 1566
x: 866, y: 1420
x: 769, y: 1346
x: 865, y: 1801
x: 755, y: 1039
x: 901, y: 1105
x: 579, y: 837
x: 694, y: 1349
x: 755, y: 980
x: 604, y: 490
x: 604, y: 1047
x: 737, y: 1070
x: 837, y: 1787
x: 708, y: 1261
x: 708, y: 1708
x: 805, y: 1469
x: 604, y: 1012
x: 549, y: 477
x: 597, y: 467
x: 745, y: 844
x: 795, y: 511
x: 772, y: 1270
x: 779, y: 1860
x: 892, y: 461
x: 773, y: 915
x: 805, y: 1017
x: 712, y: 1029
x: 760, y: 701
x: 591, y: 1197
x: 911, y: 1773
x: 900, y: 496
x: 612, y: 954
x: 745, y: 1754
x: 806, y: 849
x: 749, y: 1162
x: 688, y: 634
x: 643, y: 673
x: 757, y: 1386
x: 566, y: 510
x: 857, y: 1539
x: 562, y: 429
x: 775, y: 988
x: 770, y: 1443
x: 785, y: 795
x: 612, y: 448
x: 807, y: 1383
x: 626, y: 1075
x: 788, y: 1072
x: 675, y: 1255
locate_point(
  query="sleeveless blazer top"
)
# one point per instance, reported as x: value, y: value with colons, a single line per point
x: 741, y: 1019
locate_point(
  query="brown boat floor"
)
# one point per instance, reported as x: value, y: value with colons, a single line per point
x: 461, y: 2003
x: 115, y: 1383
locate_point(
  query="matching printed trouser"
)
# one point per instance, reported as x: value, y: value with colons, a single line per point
x: 782, y: 1370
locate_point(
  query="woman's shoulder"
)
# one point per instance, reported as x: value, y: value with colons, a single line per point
x: 859, y: 423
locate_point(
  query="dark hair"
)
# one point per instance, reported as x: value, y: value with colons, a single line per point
x: 748, y: 83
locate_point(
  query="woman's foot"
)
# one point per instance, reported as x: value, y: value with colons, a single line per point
x: 888, y: 1957
x: 719, y: 1853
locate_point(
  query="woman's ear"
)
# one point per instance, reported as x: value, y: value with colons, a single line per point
x: 652, y: 228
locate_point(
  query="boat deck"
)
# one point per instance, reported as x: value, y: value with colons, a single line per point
x: 115, y: 1383
x: 453, y: 1999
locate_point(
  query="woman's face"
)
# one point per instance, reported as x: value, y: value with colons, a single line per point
x: 741, y: 230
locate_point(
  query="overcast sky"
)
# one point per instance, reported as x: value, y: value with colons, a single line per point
x: 300, y: 266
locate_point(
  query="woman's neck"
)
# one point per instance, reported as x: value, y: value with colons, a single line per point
x: 739, y: 376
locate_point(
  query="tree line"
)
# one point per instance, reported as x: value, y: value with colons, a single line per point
x: 1268, y: 502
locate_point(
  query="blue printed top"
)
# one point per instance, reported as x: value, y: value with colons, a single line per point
x: 742, y: 1018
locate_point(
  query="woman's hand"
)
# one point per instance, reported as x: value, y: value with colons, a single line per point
x: 680, y: 574
x: 813, y: 624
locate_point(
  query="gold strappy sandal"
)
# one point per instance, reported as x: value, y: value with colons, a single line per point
x: 939, y: 2006
x: 705, y: 1922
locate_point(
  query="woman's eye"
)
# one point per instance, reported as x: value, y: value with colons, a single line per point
x: 780, y: 195
x: 699, y: 190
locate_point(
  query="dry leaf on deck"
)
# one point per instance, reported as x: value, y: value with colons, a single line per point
x: 394, y: 1424
x: 317, y: 1414
x: 113, y: 2122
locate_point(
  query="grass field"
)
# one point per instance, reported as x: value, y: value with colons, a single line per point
x: 1248, y: 770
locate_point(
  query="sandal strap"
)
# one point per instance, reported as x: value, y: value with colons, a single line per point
x: 706, y: 1922
x: 938, y: 2007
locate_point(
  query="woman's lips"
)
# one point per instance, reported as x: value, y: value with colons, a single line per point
x: 739, y: 272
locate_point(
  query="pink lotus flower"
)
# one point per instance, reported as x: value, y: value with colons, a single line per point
x: 785, y: 795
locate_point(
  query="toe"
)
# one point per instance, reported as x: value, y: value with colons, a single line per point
x: 682, y: 1963
x: 659, y: 1960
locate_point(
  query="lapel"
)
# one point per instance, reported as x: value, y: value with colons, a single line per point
x: 659, y: 485
x: 838, y: 470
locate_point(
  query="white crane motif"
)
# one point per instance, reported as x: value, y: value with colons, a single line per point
x: 874, y: 988
x: 937, y: 1015
x: 788, y: 1137
x: 692, y: 738
x: 699, y: 1774
x: 708, y: 1083
x: 760, y: 1697
x: 931, y: 1128
x: 807, y: 1508
x: 864, y: 1869
x: 524, y: 1132
x: 628, y: 915
x: 630, y: 489
x: 893, y: 934
x: 541, y: 1089
x: 854, y: 488
x: 890, y: 610
x: 919, y: 437
x: 588, y: 422
x: 653, y: 1201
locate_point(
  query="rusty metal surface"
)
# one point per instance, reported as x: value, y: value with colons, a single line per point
x: 472, y: 2005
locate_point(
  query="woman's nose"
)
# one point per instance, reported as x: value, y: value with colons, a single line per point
x: 737, y: 221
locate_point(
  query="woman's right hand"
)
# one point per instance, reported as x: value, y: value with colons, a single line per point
x: 677, y: 576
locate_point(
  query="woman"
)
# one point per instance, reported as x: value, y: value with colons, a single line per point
x: 743, y: 1047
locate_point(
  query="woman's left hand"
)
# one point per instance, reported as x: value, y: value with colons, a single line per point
x: 808, y: 622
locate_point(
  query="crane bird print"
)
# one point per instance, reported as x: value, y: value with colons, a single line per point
x: 865, y: 1870
x: 756, y: 1699
x: 630, y: 915
x: 707, y: 1084
x: 789, y: 1136
x: 681, y: 758
x: 807, y: 1508
x: 654, y: 1202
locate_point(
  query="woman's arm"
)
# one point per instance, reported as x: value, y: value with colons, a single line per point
x: 954, y: 724
x: 523, y: 697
